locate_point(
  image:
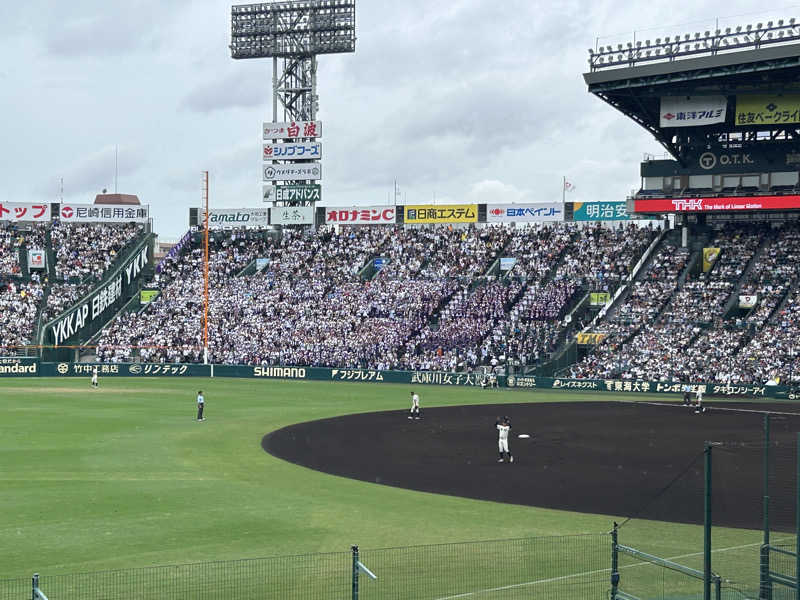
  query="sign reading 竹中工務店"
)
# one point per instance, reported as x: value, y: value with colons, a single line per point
x: 524, y: 213
x: 248, y: 218
x: 100, y: 303
x: 292, y: 130
x: 24, y: 211
x: 442, y: 213
x: 94, y: 213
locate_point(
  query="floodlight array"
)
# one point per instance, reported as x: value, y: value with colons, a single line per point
x: 293, y: 29
x: 700, y: 43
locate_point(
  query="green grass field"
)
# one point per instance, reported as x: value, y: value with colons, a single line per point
x: 124, y: 476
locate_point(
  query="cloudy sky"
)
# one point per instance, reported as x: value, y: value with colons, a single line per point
x: 464, y: 100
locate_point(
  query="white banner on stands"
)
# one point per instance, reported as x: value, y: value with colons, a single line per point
x: 692, y: 111
x: 24, y: 211
x: 524, y: 213
x: 103, y: 213
x: 249, y: 218
x: 292, y: 215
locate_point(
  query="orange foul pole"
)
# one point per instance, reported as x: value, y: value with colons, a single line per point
x: 205, y: 270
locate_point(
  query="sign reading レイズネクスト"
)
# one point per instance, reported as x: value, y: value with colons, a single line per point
x: 442, y: 213
x: 360, y: 215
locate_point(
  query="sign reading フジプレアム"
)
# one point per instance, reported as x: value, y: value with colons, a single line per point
x: 442, y: 213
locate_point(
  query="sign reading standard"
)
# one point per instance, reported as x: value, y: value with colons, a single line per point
x: 103, y: 297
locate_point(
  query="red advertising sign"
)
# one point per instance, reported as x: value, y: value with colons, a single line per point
x: 722, y: 204
x: 24, y: 211
x: 360, y: 215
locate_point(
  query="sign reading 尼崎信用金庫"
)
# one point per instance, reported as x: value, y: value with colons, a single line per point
x: 442, y: 213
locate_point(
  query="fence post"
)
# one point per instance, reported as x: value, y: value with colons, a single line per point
x: 707, y: 526
x: 355, y: 572
x: 614, y: 563
x: 765, y: 583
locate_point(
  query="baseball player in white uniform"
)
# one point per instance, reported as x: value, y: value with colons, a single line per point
x: 414, y: 406
x: 698, y: 407
x: 201, y: 404
x: 503, y: 427
x: 94, y: 378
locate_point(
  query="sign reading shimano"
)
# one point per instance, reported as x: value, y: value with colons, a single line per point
x: 238, y: 217
x: 524, y: 213
x: 100, y: 303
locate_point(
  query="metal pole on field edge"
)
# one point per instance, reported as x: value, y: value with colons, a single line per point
x: 614, y: 563
x: 355, y: 572
x: 797, y: 524
x: 707, y: 526
x: 34, y: 585
x: 765, y: 583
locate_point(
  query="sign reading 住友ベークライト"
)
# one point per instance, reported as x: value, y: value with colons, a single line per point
x: 767, y: 109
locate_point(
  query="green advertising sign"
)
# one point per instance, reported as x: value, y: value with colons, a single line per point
x: 298, y: 193
x: 600, y: 211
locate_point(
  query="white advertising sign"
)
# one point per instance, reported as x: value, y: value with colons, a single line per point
x: 36, y: 259
x: 289, y: 172
x: 24, y: 211
x: 292, y: 215
x: 692, y: 111
x: 248, y: 218
x: 293, y: 151
x: 524, y: 213
x: 748, y: 300
x: 360, y: 215
x: 103, y: 213
x: 292, y: 129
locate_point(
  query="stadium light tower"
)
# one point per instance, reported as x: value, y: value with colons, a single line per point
x: 293, y: 32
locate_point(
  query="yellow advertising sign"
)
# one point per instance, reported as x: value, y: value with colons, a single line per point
x: 147, y: 296
x: 589, y: 338
x: 710, y: 256
x: 441, y: 213
x: 599, y: 298
x: 767, y: 109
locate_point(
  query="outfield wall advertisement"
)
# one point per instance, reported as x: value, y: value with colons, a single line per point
x: 443, y: 213
x: 31, y: 367
x: 524, y: 213
x: 361, y: 215
x: 98, y: 213
x: 600, y: 211
x: 733, y: 203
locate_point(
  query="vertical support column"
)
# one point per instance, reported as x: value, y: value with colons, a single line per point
x: 765, y: 583
x: 614, y: 563
x: 355, y: 572
x: 707, y: 526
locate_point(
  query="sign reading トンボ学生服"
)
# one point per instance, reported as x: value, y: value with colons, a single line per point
x: 292, y: 130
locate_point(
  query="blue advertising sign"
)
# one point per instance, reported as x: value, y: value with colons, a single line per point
x: 600, y: 211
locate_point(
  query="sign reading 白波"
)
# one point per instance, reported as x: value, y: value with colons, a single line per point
x: 94, y: 213
x: 237, y: 217
x: 292, y: 171
x: 292, y: 130
x: 361, y: 215
x: 692, y: 111
x: 524, y: 213
x: 24, y: 211
x: 292, y: 215
x: 293, y: 151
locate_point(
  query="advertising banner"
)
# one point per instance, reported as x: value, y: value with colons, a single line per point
x: 100, y: 213
x: 24, y: 211
x: 292, y: 129
x: 748, y: 300
x: 292, y: 215
x: 767, y: 109
x: 249, y: 218
x: 692, y: 111
x: 600, y: 211
x: 710, y: 256
x: 507, y: 263
x: 37, y: 259
x: 443, y: 213
x: 311, y: 192
x: 147, y: 296
x: 524, y: 213
x: 722, y: 204
x: 65, y: 369
x: 590, y: 339
x: 19, y: 366
x: 293, y: 151
x: 100, y: 303
x: 599, y: 298
x: 291, y: 172
x: 361, y: 215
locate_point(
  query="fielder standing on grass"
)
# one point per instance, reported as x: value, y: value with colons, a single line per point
x: 200, y: 405
x: 503, y: 427
x: 94, y: 378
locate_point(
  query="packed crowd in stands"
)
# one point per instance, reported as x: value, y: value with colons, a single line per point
x: 14, y: 236
x: 86, y: 250
x: 19, y: 303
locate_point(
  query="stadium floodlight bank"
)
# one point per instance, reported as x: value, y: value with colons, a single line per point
x: 293, y: 29
x: 698, y: 44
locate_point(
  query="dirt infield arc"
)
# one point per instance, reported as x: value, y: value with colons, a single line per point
x: 625, y: 459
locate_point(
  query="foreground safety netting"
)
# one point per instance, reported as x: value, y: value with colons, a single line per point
x: 560, y: 568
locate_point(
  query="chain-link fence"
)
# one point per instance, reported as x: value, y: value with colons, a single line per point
x: 558, y: 568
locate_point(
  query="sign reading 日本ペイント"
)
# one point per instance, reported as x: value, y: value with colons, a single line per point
x: 524, y: 213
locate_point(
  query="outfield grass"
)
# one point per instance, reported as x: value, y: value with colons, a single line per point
x: 124, y: 476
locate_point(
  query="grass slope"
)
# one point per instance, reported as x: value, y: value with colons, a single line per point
x: 124, y: 476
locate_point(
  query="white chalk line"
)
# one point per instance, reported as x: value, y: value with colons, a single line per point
x: 596, y: 571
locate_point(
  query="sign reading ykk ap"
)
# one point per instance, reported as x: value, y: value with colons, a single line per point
x: 446, y: 213
x: 293, y: 151
x: 24, y: 211
x: 292, y: 129
x: 102, y: 298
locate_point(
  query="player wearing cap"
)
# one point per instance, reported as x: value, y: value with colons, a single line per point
x: 201, y: 402
x: 503, y: 427
x: 414, y: 406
